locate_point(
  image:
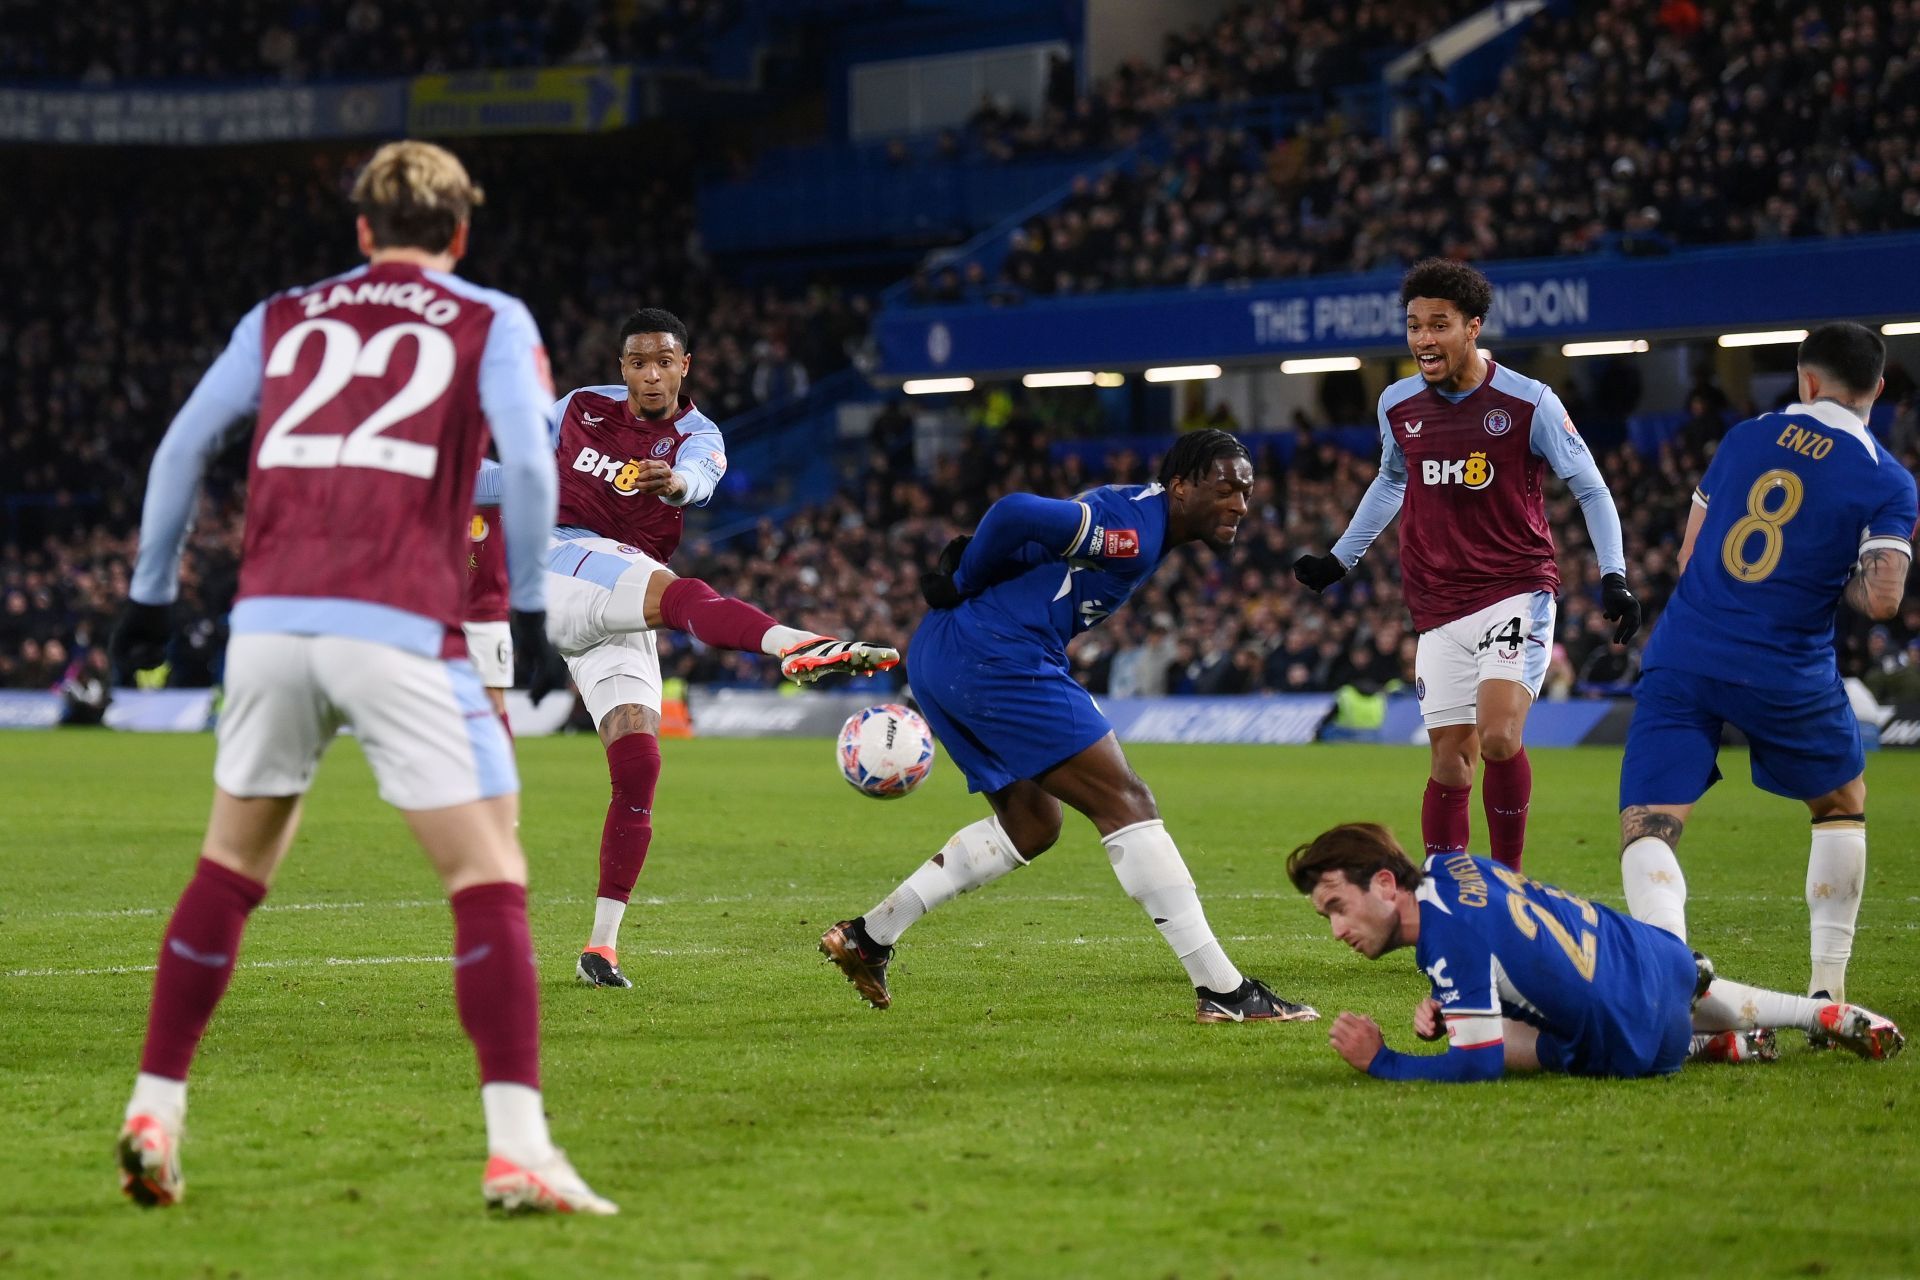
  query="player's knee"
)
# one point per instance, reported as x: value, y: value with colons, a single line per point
x: 1453, y: 768
x: 1134, y: 803
x: 1032, y: 832
x: 1848, y: 799
x: 1500, y: 744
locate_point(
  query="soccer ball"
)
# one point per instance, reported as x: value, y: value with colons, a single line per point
x: 885, y: 751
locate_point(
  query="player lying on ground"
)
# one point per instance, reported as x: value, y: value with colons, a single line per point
x: 375, y: 392
x: 1798, y: 511
x: 989, y: 668
x: 1463, y: 443
x: 632, y: 457
x: 1526, y: 977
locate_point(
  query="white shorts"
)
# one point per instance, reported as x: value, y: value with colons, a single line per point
x: 490, y: 645
x: 1511, y: 640
x: 589, y: 579
x: 425, y: 725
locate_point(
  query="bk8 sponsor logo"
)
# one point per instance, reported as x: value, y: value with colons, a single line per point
x: 1473, y: 471
x: 622, y: 474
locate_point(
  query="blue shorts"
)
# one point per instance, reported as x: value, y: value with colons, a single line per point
x: 1805, y: 741
x: 1648, y: 1027
x: 1004, y: 710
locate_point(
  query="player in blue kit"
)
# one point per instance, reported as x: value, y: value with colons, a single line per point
x: 989, y: 669
x: 1798, y: 510
x: 1527, y: 977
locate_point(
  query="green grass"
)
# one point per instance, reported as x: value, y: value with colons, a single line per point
x: 1039, y: 1101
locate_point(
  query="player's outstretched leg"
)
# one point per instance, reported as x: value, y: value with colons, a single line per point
x: 196, y: 964
x: 690, y: 605
x: 1150, y: 869
x: 1734, y: 1006
x: 976, y: 855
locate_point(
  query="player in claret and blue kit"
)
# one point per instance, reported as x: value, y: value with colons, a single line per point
x: 1797, y: 511
x: 1464, y: 444
x: 375, y: 392
x: 1527, y: 977
x: 989, y: 669
x: 632, y: 457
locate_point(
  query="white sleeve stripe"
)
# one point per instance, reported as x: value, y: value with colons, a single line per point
x: 1086, y: 519
x: 1887, y: 542
x: 1699, y: 499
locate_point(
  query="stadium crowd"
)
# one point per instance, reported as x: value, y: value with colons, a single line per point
x: 1232, y: 623
x: 1618, y: 126
x: 1274, y: 48
x: 120, y: 304
x: 251, y: 40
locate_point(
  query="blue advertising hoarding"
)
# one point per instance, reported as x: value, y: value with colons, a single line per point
x: 1744, y: 287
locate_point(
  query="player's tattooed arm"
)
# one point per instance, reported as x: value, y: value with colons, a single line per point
x: 1878, y: 582
x: 1640, y: 820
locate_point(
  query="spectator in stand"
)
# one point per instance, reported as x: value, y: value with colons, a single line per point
x: 1636, y: 129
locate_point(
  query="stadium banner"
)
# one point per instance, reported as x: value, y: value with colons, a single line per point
x: 1902, y: 728
x: 1582, y: 722
x: 547, y: 100
x: 1739, y: 287
x: 27, y: 709
x: 1281, y: 718
x: 529, y: 719
x: 160, y: 710
x: 763, y: 713
x: 203, y: 117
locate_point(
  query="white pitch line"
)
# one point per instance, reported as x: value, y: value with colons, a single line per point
x: 791, y: 899
x: 1142, y: 938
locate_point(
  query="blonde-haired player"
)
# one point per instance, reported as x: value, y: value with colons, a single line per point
x: 374, y: 392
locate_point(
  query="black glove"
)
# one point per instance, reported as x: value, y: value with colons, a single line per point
x: 1619, y: 605
x: 140, y: 636
x: 936, y: 585
x: 1319, y: 572
x: 546, y: 669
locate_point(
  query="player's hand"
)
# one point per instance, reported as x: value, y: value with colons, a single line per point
x: 1319, y: 572
x: 936, y: 585
x: 1428, y: 1022
x: 1357, y: 1038
x: 546, y: 669
x: 1619, y: 605
x: 140, y: 636
x: 657, y: 478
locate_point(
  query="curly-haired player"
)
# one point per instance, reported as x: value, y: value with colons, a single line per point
x: 1462, y: 446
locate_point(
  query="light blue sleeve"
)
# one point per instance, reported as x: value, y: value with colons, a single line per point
x: 701, y: 463
x: 514, y: 397
x: 227, y: 393
x: 1381, y: 502
x: 554, y: 417
x: 1554, y: 439
x: 486, y: 485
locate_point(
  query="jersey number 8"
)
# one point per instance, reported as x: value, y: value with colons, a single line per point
x: 343, y: 359
x: 1733, y: 552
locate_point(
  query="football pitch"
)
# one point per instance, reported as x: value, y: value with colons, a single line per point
x: 1038, y: 1101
